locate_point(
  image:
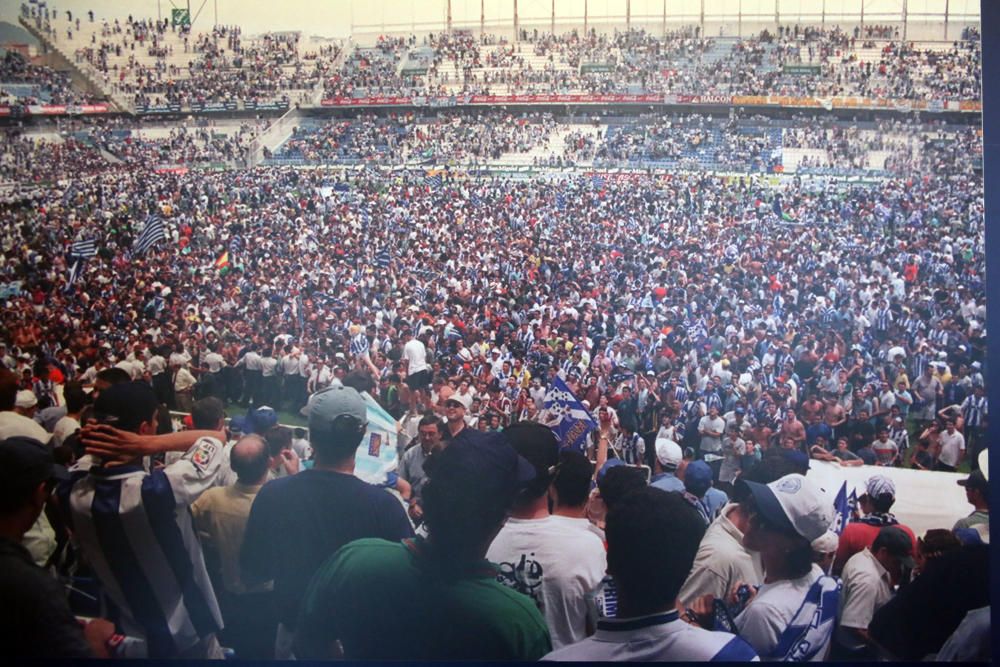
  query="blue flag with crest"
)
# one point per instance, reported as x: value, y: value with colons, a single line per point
x: 565, y: 415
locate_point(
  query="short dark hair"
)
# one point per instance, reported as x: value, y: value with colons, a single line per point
x: 338, y: 441
x: 358, y: 381
x: 765, y: 471
x: 113, y: 375
x: 206, y: 413
x: 619, y: 481
x: 431, y: 419
x: 538, y: 445
x: 76, y: 398
x: 653, y: 537
x: 249, y: 467
x: 278, y: 438
x: 572, y: 482
x: 882, y: 503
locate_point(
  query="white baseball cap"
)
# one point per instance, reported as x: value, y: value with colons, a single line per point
x: 794, y: 504
x: 464, y: 399
x: 25, y: 399
x: 668, y: 453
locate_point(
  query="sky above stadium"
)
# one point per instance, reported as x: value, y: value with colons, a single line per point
x: 335, y: 18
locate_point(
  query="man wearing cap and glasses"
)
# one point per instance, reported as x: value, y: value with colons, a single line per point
x: 455, y: 408
x: 433, y: 598
x: 297, y: 522
x: 35, y: 621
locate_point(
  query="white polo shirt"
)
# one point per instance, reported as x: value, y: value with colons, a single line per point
x: 660, y: 638
x: 867, y: 586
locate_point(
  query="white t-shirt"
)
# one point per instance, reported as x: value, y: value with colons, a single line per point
x: 952, y: 445
x: 556, y: 561
x: 711, y: 443
x: 657, y: 638
x: 12, y: 424
x: 769, y: 613
x: 416, y: 354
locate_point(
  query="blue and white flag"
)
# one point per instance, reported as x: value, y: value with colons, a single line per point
x: 74, y: 273
x: 434, y: 181
x: 476, y: 200
x: 383, y: 258
x: 152, y: 232
x: 843, y: 508
x: 597, y: 182
x: 561, y: 201
x: 565, y: 415
x: 83, y: 249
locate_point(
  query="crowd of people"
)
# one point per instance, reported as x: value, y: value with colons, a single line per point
x: 727, y: 335
x: 154, y: 63
x: 47, y: 85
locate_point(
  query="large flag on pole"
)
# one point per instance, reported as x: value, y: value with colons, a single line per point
x: 152, y: 232
x: 565, y: 415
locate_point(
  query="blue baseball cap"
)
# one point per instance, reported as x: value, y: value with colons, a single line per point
x: 608, y: 465
x: 698, y: 478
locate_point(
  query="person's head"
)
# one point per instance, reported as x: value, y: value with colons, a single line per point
x: 455, y: 407
x: 108, y: 377
x: 977, y: 490
x: 571, y: 486
x: 950, y: 426
x: 358, y: 381
x: 538, y: 445
x: 653, y: 537
x: 278, y: 439
x: 430, y: 430
x: 250, y: 459
x: 338, y: 418
x: 880, y: 494
x: 26, y: 403
x: 209, y: 414
x: 74, y: 395
x: 698, y: 478
x: 894, y: 550
x: 616, y: 479
x: 668, y: 455
x: 470, y: 488
x: 933, y: 544
x: 27, y: 477
x: 128, y: 406
x: 787, y: 516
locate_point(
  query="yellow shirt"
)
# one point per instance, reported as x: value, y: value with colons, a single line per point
x: 220, y: 517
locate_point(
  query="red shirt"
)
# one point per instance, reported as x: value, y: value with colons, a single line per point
x: 858, y: 537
